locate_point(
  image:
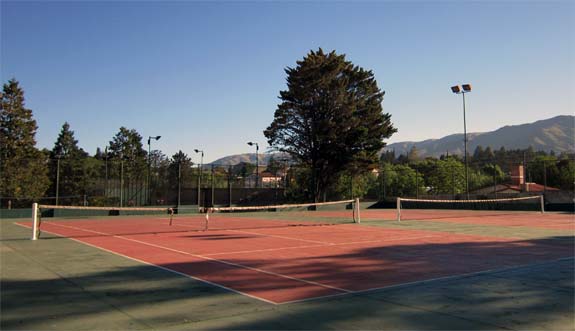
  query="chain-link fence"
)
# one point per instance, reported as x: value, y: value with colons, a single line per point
x: 113, y: 182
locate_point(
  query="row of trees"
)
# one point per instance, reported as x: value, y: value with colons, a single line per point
x: 408, y: 176
x: 330, y: 123
x: 66, y: 170
x: 119, y: 174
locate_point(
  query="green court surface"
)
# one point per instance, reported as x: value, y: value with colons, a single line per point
x: 60, y: 284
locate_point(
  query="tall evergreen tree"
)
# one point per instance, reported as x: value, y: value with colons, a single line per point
x: 488, y: 154
x: 23, y: 171
x: 478, y: 154
x: 181, y: 166
x: 127, y: 145
x: 67, y: 165
x: 413, y: 154
x: 127, y: 159
x: 387, y: 157
x: 330, y: 118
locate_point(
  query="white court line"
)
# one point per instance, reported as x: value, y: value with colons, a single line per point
x: 283, y: 237
x: 160, y: 267
x: 264, y: 235
x: 210, y: 259
x: 424, y: 281
x: 313, y: 246
x: 348, y: 292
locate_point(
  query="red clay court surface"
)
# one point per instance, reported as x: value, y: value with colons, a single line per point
x: 287, y: 264
x: 556, y: 221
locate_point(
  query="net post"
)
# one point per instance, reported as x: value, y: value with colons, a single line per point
x: 357, y: 218
x: 35, y: 221
x: 542, y: 202
x: 398, y: 207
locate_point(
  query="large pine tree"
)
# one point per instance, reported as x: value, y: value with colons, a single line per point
x: 67, y: 159
x: 23, y: 167
x: 128, y: 158
x: 330, y: 118
x: 127, y: 145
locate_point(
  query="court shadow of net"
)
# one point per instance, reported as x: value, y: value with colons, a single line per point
x: 64, y: 294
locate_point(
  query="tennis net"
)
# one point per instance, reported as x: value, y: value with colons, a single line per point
x: 118, y: 221
x: 418, y: 209
x: 75, y: 216
x: 305, y: 214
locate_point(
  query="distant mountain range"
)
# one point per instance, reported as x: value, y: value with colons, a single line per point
x: 553, y: 134
x: 250, y: 158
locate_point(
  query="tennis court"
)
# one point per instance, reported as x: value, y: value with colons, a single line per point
x: 558, y: 221
x: 277, y: 259
x: 284, y: 270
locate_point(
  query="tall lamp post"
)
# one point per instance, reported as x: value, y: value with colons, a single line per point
x: 179, y: 182
x: 107, y: 182
x: 465, y: 88
x: 150, y: 166
x: 200, y: 174
x: 58, y: 157
x: 257, y: 162
x: 121, y: 179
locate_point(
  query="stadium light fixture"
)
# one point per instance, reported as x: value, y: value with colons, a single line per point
x: 200, y: 174
x: 257, y: 162
x: 464, y: 88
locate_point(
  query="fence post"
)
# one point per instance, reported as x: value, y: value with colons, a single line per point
x: 495, y: 181
x: 542, y: 201
x: 452, y: 182
x: 57, y: 179
x: 179, y: 182
x: 544, y: 176
x: 230, y: 186
x: 213, y: 183
x: 350, y: 186
x: 416, y: 182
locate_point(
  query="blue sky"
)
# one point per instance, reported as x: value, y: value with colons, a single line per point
x: 208, y: 74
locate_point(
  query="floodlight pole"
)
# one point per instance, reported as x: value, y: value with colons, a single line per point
x: 150, y: 166
x: 257, y: 162
x: 107, y: 182
x: 121, y: 179
x: 465, y: 148
x: 200, y: 175
x: 57, y: 178
x: 458, y: 90
x: 179, y: 182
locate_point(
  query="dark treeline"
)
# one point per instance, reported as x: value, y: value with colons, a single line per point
x: 446, y: 174
x: 123, y: 172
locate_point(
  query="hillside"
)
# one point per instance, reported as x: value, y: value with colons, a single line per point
x: 557, y: 134
x: 248, y: 158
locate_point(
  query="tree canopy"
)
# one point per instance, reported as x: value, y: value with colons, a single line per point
x: 22, y: 167
x: 68, y: 159
x: 330, y: 118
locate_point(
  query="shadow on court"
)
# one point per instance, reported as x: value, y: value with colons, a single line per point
x: 61, y: 284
